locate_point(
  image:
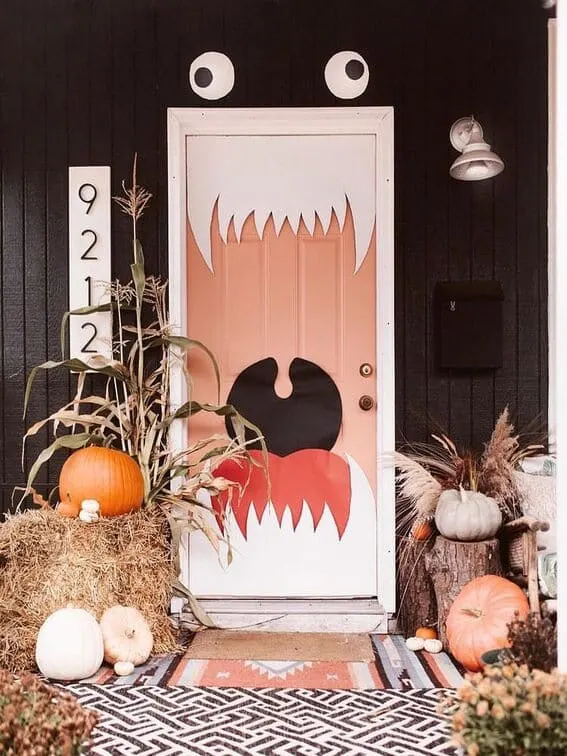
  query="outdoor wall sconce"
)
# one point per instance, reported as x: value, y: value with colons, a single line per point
x: 476, y: 162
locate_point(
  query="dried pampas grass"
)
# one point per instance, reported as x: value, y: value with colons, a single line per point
x: 419, y: 489
x: 496, y: 466
x: 48, y: 561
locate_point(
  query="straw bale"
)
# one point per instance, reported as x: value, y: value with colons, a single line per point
x: 48, y: 562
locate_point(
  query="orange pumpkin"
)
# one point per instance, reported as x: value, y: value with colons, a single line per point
x: 479, y: 617
x: 427, y: 633
x: 421, y: 530
x: 111, y: 477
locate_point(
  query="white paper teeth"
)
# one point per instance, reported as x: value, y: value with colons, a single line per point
x: 325, y: 214
x: 340, y: 207
x: 225, y: 215
x: 239, y: 221
x: 261, y: 216
x: 279, y: 217
x: 288, y: 177
x: 309, y: 220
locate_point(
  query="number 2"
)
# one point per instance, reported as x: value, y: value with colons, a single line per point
x: 85, y: 255
x: 85, y: 349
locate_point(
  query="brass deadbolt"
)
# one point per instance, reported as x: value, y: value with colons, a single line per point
x: 366, y: 369
x: 366, y: 402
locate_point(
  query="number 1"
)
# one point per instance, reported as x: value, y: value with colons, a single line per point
x: 88, y: 279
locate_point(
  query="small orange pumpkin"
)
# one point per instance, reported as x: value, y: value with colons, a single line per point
x: 421, y: 530
x: 111, y: 477
x: 479, y: 617
x: 427, y: 633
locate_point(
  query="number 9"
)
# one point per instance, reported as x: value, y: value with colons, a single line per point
x: 86, y: 200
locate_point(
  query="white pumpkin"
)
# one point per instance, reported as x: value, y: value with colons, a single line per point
x: 86, y: 516
x: 127, y: 635
x: 90, y: 505
x: 69, y: 645
x: 433, y: 645
x: 467, y: 515
x: 415, y: 644
x: 122, y: 668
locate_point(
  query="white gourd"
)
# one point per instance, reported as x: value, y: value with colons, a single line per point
x: 127, y: 635
x: 69, y: 645
x: 123, y: 668
x: 85, y: 516
x: 415, y: 644
x: 90, y: 505
x: 433, y: 645
x: 467, y: 515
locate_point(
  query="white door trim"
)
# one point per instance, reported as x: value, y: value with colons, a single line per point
x: 377, y: 121
x: 551, y: 226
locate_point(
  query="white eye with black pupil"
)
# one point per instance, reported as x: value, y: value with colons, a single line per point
x: 211, y: 75
x: 346, y: 74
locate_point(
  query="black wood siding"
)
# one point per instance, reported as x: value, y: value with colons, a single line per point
x: 89, y: 81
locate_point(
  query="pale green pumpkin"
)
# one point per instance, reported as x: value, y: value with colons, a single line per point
x: 467, y: 515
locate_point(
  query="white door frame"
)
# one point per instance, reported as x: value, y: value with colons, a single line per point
x: 377, y: 121
x: 560, y: 307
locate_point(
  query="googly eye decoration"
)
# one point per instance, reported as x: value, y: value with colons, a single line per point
x: 211, y: 75
x: 346, y: 74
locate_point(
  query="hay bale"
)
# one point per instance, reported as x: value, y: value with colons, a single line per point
x: 48, y: 561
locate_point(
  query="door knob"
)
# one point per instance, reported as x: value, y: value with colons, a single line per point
x: 366, y: 402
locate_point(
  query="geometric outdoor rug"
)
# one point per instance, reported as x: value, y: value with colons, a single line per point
x: 148, y: 721
x: 394, y: 667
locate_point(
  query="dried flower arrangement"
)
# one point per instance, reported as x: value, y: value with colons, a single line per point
x: 509, y: 710
x: 425, y: 471
x: 38, y: 719
x: 132, y: 410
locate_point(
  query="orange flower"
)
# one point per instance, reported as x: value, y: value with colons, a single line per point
x: 482, y: 708
x: 542, y: 720
x: 459, y: 720
x: 508, y: 702
x: 498, y: 712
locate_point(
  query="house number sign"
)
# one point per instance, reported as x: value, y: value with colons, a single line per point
x: 89, y: 260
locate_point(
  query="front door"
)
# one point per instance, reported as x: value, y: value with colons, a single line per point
x: 282, y: 247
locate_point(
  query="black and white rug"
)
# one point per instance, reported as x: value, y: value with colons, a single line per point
x: 145, y: 720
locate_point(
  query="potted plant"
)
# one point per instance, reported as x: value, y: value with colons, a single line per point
x: 508, y: 710
x: 40, y: 719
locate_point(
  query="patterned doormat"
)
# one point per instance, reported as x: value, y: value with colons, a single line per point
x: 150, y: 720
x: 394, y: 666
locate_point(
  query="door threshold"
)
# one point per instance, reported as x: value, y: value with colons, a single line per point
x: 295, y: 615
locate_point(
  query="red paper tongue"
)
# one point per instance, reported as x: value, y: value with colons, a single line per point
x: 317, y: 476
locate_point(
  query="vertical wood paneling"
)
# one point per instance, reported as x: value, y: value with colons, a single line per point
x: 12, y: 246
x: 34, y: 216
x: 57, y: 27
x: 85, y: 81
x: 482, y: 216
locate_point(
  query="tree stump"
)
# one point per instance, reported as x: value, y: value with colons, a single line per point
x: 416, y: 600
x: 453, y: 564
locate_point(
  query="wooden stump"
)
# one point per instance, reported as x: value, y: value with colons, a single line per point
x: 453, y: 564
x: 416, y: 600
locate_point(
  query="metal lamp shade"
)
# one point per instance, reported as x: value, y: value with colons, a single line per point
x: 476, y: 163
